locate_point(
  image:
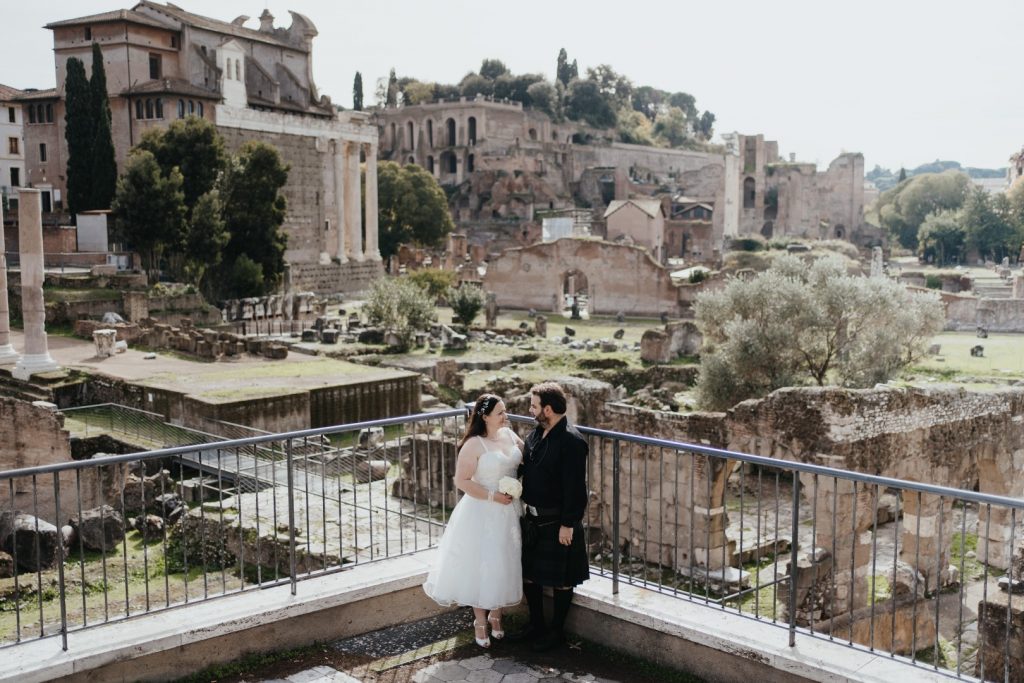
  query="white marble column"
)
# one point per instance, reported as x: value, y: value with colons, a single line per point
x: 7, y: 353
x: 33, y: 313
x: 353, y: 212
x: 340, y: 200
x: 372, y: 249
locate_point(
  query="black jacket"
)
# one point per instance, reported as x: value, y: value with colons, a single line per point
x: 555, y: 471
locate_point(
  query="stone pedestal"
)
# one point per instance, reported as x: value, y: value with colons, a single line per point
x: 7, y: 353
x: 104, y: 340
x: 30, y: 234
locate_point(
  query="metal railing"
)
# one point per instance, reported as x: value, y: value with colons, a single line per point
x: 173, y: 526
x: 873, y: 563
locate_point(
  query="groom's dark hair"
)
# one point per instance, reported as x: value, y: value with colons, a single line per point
x: 550, y: 394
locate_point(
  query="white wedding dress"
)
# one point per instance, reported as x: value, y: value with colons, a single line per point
x: 478, y: 558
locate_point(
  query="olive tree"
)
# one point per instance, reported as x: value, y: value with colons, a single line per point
x: 401, y: 306
x: 800, y: 322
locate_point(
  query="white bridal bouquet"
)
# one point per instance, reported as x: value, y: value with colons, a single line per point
x: 510, y: 486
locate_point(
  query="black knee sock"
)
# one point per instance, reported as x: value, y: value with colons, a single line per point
x: 563, y: 598
x: 534, y: 593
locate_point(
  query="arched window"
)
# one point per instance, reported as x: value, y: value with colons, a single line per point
x: 472, y: 130
x: 469, y: 164
x: 31, y: 114
x: 450, y: 125
x: 200, y: 109
x: 41, y: 113
x: 748, y: 193
x: 138, y: 109
x: 533, y: 133
x: 149, y: 109
x: 394, y: 139
x: 409, y: 131
x: 430, y: 164
x: 159, y: 108
x: 430, y: 133
x: 181, y: 109
x: 191, y: 107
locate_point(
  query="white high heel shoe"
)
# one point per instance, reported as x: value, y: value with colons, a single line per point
x: 484, y: 642
x: 497, y: 632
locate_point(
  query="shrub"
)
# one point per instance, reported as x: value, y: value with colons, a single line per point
x: 466, y: 302
x: 747, y: 244
x: 698, y: 276
x: 933, y: 282
x: 401, y: 306
x: 246, y: 278
x: 435, y: 281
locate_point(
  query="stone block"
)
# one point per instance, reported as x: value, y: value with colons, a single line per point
x: 104, y: 340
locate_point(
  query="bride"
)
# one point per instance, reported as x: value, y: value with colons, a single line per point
x: 478, y: 560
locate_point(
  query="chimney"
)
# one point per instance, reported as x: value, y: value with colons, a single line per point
x: 267, y: 22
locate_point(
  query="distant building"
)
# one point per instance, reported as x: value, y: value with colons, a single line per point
x: 637, y: 221
x: 12, y: 144
x: 163, y: 63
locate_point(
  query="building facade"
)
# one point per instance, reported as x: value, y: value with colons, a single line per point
x: 12, y: 145
x: 163, y: 63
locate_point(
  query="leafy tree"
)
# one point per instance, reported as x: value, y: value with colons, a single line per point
x: 205, y: 238
x: 903, y: 209
x: 400, y: 306
x: 574, y: 71
x: 445, y: 91
x: 357, y: 92
x: 475, y: 84
x: 686, y: 102
x: 544, y: 97
x: 670, y: 127
x: 194, y: 146
x: 434, y: 280
x: 417, y: 92
x: 149, y: 209
x: 585, y: 102
x: 244, y: 279
x: 649, y: 101
x: 797, y: 323
x: 254, y: 209
x: 516, y: 88
x: 391, y: 94
x: 466, y: 302
x: 634, y: 128
x: 104, y: 166
x: 78, y: 132
x: 615, y: 87
x: 492, y: 68
x: 412, y: 208
x: 942, y: 235
x: 563, y: 71
x: 988, y: 225
x: 705, y: 127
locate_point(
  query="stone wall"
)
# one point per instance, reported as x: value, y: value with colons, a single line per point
x: 620, y: 277
x: 352, y: 278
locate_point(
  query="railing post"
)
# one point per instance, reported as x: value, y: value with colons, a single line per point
x: 615, y: 517
x: 60, y: 567
x: 793, y: 559
x: 291, y: 516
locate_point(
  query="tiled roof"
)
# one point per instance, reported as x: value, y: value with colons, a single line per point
x: 116, y: 15
x: 29, y: 95
x: 174, y: 86
x: 8, y: 93
x: 652, y: 207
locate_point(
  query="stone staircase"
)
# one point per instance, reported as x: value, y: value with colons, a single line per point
x: 994, y: 288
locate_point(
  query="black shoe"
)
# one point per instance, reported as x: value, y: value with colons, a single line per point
x: 548, y: 642
x: 524, y: 635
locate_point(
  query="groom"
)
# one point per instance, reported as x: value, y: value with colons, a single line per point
x: 555, y: 497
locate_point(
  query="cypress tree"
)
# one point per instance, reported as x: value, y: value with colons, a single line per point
x: 78, y: 132
x: 357, y: 92
x: 104, y: 167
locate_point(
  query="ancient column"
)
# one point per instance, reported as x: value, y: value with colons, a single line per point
x: 340, y: 200
x: 30, y: 236
x: 353, y: 211
x: 372, y: 249
x: 7, y: 352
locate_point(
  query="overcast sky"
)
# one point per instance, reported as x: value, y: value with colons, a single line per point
x: 902, y: 81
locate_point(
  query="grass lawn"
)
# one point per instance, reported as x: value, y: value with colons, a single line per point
x: 1004, y: 356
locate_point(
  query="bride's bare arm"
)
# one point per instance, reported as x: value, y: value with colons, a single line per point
x: 515, y: 437
x: 465, y: 468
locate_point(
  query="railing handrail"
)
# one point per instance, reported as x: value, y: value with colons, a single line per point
x: 962, y: 494
x: 229, y: 443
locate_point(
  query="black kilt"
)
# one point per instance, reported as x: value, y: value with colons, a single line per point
x: 549, y: 563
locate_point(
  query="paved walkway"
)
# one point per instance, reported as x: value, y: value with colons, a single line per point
x: 440, y: 649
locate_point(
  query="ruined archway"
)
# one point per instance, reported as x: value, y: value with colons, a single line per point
x: 749, y: 193
x: 450, y: 130
x: 472, y: 130
x: 575, y: 289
